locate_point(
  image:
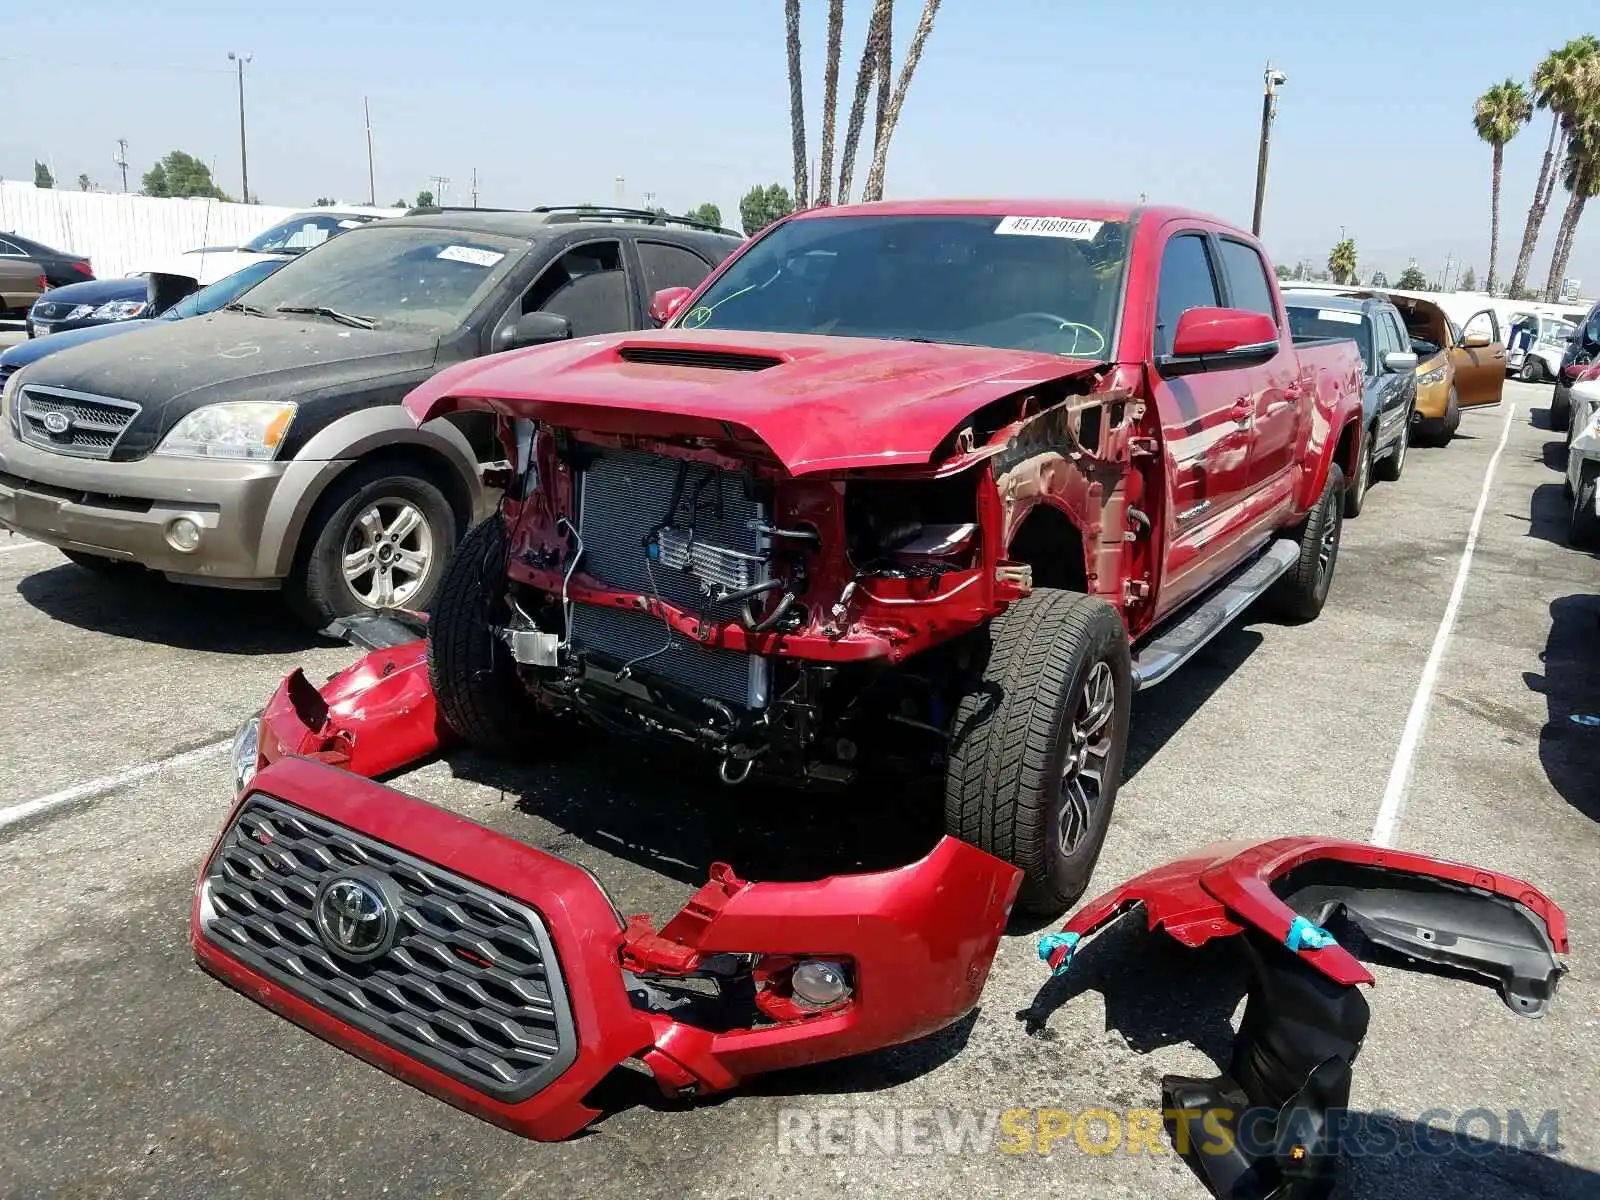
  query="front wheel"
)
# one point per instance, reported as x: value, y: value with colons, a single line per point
x: 1531, y: 370
x: 1561, y: 409
x: 1039, y: 740
x: 1583, y: 531
x: 1303, y: 590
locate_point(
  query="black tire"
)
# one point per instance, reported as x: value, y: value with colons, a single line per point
x: 101, y: 565
x: 1438, y: 431
x: 1303, y: 590
x: 316, y: 589
x: 1583, y: 528
x: 1355, y: 493
x: 1004, y: 784
x: 1531, y: 370
x: 472, y: 673
x: 1390, y: 468
x: 1561, y: 409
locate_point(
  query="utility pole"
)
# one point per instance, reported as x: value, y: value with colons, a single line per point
x: 1274, y: 79
x: 372, y: 186
x: 439, y: 183
x: 649, y: 199
x: 244, y: 165
x: 474, y: 187
x: 120, y: 158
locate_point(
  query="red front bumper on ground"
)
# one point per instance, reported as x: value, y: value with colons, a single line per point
x: 918, y: 942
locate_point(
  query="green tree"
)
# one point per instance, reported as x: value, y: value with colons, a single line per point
x: 400, y: 203
x: 424, y: 199
x: 1412, y: 280
x: 323, y: 202
x: 707, y: 212
x: 1499, y: 113
x: 1557, y: 84
x: 180, y: 174
x: 1469, y: 281
x: 1342, y: 261
x: 42, y: 177
x: 761, y: 206
x: 85, y: 184
x: 1282, y: 271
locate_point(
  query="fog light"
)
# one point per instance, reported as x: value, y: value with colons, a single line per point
x: 818, y: 983
x: 183, y: 534
x: 246, y: 751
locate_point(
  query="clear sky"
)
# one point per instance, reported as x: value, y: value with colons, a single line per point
x: 551, y: 101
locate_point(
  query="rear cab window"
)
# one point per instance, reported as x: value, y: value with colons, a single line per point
x: 1247, y: 278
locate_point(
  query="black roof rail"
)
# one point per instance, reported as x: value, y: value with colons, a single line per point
x: 577, y: 212
x: 425, y: 210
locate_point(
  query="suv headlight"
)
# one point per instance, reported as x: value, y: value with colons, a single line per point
x: 119, y: 310
x: 250, y: 429
x: 1434, y: 376
x: 8, y: 395
x: 78, y: 313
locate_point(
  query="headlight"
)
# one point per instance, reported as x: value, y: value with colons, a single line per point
x: 246, y: 429
x: 246, y: 750
x: 8, y: 394
x: 117, y: 310
x: 1434, y: 376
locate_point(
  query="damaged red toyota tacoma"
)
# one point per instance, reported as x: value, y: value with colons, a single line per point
x: 902, y: 487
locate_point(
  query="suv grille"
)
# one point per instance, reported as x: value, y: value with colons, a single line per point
x: 93, y: 424
x: 469, y: 985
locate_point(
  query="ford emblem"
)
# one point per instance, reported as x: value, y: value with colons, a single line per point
x: 57, y: 423
x: 354, y: 919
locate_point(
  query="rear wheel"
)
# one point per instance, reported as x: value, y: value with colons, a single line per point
x: 1583, y: 529
x: 1303, y: 590
x: 1531, y: 370
x: 473, y: 676
x: 1039, y: 741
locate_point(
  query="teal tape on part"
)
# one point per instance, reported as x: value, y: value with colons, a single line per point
x: 1303, y: 935
x: 1051, y: 942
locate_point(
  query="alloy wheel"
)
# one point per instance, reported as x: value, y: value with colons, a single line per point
x: 1089, y: 731
x: 387, y: 552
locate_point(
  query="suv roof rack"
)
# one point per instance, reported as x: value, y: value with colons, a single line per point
x: 606, y: 212
x: 426, y: 210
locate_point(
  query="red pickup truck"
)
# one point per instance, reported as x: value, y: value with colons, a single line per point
x: 909, y: 486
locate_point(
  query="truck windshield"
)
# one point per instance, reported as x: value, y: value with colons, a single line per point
x: 1306, y: 324
x: 1047, y: 284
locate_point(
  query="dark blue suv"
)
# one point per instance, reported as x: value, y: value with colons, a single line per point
x: 1583, y: 349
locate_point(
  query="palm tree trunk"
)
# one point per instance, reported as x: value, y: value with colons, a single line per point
x: 891, y: 118
x: 1494, y: 219
x: 830, y: 100
x: 797, y: 106
x: 1563, y: 251
x: 885, y: 67
x: 1541, y: 198
x: 865, y: 74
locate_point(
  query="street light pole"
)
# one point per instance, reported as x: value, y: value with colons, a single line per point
x: 244, y: 163
x: 1269, y: 108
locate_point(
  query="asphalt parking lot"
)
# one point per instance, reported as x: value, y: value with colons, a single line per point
x: 126, y: 1072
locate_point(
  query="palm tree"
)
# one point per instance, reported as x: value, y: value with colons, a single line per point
x: 797, y: 105
x: 890, y: 115
x: 1499, y: 114
x: 878, y: 33
x: 1554, y: 82
x: 1580, y: 174
x: 830, y: 100
x: 1342, y: 261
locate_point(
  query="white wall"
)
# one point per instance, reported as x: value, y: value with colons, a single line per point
x: 120, y: 232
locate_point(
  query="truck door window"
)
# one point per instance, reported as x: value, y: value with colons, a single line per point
x: 1187, y: 281
x: 588, y: 287
x: 1247, y: 278
x: 670, y: 266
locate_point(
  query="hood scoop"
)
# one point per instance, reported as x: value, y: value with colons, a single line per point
x: 692, y: 356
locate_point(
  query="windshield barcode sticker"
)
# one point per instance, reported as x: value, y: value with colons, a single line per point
x: 1058, y: 227
x: 471, y: 254
x: 1334, y: 314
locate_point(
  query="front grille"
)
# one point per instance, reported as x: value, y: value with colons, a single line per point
x: 470, y: 985
x: 626, y: 498
x: 49, y: 310
x: 93, y: 424
x: 712, y: 360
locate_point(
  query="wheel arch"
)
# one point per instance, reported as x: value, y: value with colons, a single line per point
x: 438, y: 451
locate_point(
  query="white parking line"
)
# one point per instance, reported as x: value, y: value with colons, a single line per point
x: 19, y: 544
x: 106, y: 783
x: 1394, y: 794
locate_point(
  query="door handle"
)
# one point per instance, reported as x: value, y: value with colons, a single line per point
x: 1243, y: 409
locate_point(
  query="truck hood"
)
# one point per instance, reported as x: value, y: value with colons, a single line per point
x: 818, y: 403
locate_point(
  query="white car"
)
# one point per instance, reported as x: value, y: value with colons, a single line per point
x: 1537, y: 344
x: 1583, y: 465
x: 294, y: 235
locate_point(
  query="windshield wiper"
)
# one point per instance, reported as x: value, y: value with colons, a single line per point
x: 237, y: 306
x: 322, y: 310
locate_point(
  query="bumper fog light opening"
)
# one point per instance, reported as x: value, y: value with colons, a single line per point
x: 817, y: 983
x: 183, y: 534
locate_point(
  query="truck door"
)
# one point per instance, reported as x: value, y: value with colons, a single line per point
x: 1275, y: 434
x: 1206, y: 419
x: 1480, y: 360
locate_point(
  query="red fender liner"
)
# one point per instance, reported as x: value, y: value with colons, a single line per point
x: 919, y: 941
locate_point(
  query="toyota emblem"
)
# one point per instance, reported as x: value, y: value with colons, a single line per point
x: 57, y: 423
x: 354, y: 919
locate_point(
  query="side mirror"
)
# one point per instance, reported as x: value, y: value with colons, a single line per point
x: 666, y: 303
x: 1400, y: 361
x: 1204, y: 331
x: 535, y: 329
x: 1475, y: 341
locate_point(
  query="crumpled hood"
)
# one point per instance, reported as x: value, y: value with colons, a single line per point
x: 818, y: 403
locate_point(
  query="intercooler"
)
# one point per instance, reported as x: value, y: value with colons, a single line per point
x: 704, y: 528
